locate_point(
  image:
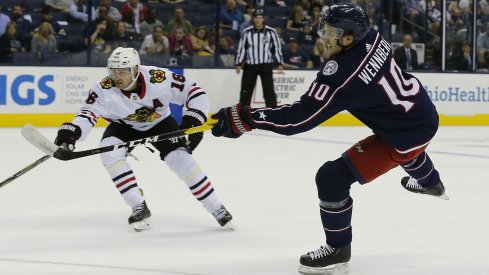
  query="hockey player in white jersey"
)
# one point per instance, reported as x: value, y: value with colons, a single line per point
x: 135, y: 100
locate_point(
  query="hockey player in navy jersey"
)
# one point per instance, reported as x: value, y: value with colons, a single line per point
x: 361, y: 77
x: 135, y: 100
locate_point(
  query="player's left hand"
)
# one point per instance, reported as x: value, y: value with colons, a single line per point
x: 194, y: 139
x: 233, y: 121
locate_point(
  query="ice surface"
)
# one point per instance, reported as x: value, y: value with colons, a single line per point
x: 67, y: 217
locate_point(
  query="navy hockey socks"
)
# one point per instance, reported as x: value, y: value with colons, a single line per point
x: 422, y: 169
x: 337, y: 222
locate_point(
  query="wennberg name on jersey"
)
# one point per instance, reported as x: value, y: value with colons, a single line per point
x: 158, y: 88
x: 365, y: 81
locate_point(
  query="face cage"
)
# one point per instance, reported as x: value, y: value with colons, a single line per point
x: 323, y: 30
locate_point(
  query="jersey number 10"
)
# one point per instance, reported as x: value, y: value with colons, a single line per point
x: 399, y: 91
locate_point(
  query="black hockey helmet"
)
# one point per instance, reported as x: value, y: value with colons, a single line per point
x: 348, y: 18
x: 259, y: 12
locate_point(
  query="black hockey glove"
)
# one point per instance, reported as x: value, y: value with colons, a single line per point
x: 193, y: 140
x: 233, y: 121
x: 68, y: 134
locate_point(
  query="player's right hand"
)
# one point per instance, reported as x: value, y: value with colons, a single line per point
x: 233, y: 121
x: 68, y: 134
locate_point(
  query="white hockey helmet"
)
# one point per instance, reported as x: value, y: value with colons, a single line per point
x: 122, y: 58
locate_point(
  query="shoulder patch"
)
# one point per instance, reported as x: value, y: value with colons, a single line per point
x: 330, y: 68
x: 107, y: 83
x: 157, y: 76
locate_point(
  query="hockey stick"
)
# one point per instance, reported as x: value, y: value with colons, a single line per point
x: 25, y: 170
x: 41, y: 142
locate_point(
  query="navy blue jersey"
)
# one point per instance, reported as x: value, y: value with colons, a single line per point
x: 366, y: 82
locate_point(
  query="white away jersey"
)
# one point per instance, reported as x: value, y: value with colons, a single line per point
x: 159, y: 87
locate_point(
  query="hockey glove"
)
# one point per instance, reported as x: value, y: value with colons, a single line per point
x: 233, y: 121
x: 194, y: 139
x: 68, y: 134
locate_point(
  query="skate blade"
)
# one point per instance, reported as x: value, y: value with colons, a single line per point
x: 443, y: 197
x: 140, y: 226
x: 229, y: 226
x: 335, y: 269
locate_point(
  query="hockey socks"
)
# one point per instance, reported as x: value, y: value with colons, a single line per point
x: 336, y: 218
x: 182, y: 164
x: 125, y: 181
x: 422, y: 169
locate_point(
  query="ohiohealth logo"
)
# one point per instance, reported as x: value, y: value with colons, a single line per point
x: 25, y: 89
x: 454, y: 94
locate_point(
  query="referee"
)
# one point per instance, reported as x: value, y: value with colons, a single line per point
x: 257, y: 46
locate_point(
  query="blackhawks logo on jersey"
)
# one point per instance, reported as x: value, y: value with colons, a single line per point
x: 157, y: 76
x: 144, y: 114
x: 107, y: 83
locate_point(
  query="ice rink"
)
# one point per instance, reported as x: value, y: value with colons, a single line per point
x: 68, y: 218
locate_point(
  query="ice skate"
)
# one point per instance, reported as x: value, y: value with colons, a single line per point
x: 325, y: 260
x: 139, y: 219
x: 223, y: 217
x: 411, y: 184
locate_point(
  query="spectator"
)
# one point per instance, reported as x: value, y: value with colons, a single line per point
x: 10, y: 43
x: 293, y: 57
x: 180, y: 43
x: 306, y: 36
x: 231, y: 16
x: 296, y: 20
x: 280, y: 35
x: 78, y: 11
x: 434, y: 16
x: 137, y: 11
x: 155, y: 43
x: 212, y: 39
x: 99, y: 37
x: 59, y: 5
x: 4, y: 20
x: 483, y: 48
x: 405, y: 56
x: 314, y: 15
x: 128, y: 20
x: 148, y: 25
x: 484, y: 11
x: 25, y: 29
x: 102, y: 13
x: 47, y: 16
x: 227, y: 54
x: 316, y: 58
x: 200, y: 42
x: 305, y: 4
x: 122, y: 38
x: 250, y: 8
x: 463, y: 60
x: 44, y: 41
x: 179, y: 21
x: 112, y: 12
x: 413, y: 10
x: 461, y: 32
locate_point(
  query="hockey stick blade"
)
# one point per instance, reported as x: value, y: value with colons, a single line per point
x: 41, y: 142
x: 37, y: 139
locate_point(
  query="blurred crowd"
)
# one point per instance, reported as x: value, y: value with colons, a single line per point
x: 184, y: 32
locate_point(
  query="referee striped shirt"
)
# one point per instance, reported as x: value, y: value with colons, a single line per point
x: 258, y: 46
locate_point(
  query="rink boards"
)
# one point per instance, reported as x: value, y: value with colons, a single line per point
x: 48, y: 96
